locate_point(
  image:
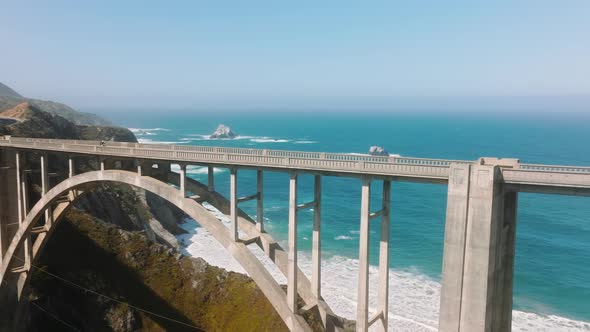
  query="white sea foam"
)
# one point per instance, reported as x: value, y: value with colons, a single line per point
x: 304, y: 142
x: 191, y: 169
x: 146, y: 131
x: 269, y: 140
x: 254, y: 139
x: 343, y: 237
x: 369, y: 155
x: 151, y: 141
x: 414, y: 298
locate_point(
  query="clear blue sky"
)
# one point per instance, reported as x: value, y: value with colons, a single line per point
x: 197, y: 53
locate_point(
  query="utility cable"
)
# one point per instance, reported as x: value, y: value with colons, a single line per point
x: 71, y: 283
x: 49, y: 313
x: 55, y: 317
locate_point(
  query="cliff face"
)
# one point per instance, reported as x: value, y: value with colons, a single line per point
x: 132, y: 273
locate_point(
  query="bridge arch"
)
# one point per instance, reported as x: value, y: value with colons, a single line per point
x: 85, y: 181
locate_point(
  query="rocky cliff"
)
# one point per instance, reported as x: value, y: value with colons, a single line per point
x: 120, y: 281
x: 127, y: 207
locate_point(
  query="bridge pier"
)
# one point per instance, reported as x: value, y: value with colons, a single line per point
x: 478, y: 261
x: 45, y: 186
x: 183, y: 180
x: 259, y: 202
x: 316, y: 245
x: 71, y: 167
x: 363, y: 321
x: 233, y: 207
x: 10, y: 215
x: 292, y: 236
x: 210, y: 178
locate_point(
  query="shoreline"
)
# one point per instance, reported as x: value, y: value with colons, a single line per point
x: 418, y: 296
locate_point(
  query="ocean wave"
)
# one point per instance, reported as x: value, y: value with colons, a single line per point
x: 304, y: 142
x: 191, y: 169
x: 204, y: 137
x: 369, y: 155
x: 343, y: 237
x: 146, y: 131
x: 151, y: 141
x: 254, y: 139
x: 414, y: 297
x: 269, y: 140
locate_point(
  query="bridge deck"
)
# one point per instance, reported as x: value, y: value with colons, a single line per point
x: 527, y: 177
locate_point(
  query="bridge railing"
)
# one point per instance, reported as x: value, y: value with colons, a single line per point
x: 329, y: 162
x: 554, y: 168
x: 258, y: 152
x: 415, y: 167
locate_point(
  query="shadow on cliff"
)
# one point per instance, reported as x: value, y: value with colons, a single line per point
x: 77, y: 257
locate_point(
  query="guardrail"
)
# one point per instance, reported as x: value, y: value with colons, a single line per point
x: 554, y: 168
x: 329, y: 162
x: 326, y: 162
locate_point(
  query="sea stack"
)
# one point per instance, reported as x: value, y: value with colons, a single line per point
x: 223, y: 131
x: 378, y: 151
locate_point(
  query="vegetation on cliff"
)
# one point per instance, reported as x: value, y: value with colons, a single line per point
x: 136, y: 272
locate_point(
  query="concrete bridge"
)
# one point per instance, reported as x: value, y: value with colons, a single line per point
x: 478, y: 263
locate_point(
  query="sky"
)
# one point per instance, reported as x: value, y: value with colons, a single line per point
x: 183, y: 54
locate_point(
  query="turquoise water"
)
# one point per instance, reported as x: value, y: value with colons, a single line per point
x: 552, y: 272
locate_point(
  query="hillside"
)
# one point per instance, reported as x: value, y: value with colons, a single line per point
x: 10, y: 98
x: 129, y: 268
x: 5, y: 91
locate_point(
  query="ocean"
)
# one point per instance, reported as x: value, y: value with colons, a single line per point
x: 552, y: 265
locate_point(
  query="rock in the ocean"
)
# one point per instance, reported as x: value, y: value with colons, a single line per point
x: 223, y: 131
x: 378, y: 151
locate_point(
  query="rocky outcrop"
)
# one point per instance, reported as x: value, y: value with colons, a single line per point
x: 378, y: 151
x: 223, y: 131
x: 135, y: 276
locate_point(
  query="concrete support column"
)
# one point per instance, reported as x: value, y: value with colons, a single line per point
x: 71, y: 167
x: 183, y: 179
x: 211, y: 178
x: 102, y: 161
x: 292, y: 255
x: 484, y: 226
x: 45, y: 187
x: 506, y: 275
x: 362, y: 309
x: 383, y: 300
x: 259, y: 202
x: 233, y: 201
x: 19, y: 176
x: 316, y: 250
x: 479, y: 250
x: 22, y: 192
x: 454, y: 247
x: 25, y: 193
x: 139, y: 168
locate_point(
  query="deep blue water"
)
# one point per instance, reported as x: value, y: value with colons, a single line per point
x: 553, y: 234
